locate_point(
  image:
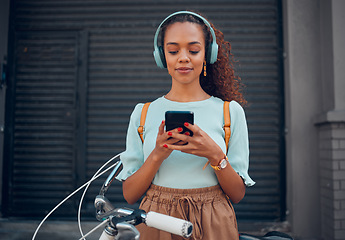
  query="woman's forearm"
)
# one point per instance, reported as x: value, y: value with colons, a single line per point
x: 137, y: 184
x: 231, y: 183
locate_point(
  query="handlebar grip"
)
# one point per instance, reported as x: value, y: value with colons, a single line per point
x: 169, y: 224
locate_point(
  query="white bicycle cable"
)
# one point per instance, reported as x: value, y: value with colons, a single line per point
x: 83, y: 195
x: 77, y: 190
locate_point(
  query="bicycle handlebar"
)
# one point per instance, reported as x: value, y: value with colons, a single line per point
x: 152, y: 219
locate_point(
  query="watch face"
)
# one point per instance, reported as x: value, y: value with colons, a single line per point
x: 223, y: 163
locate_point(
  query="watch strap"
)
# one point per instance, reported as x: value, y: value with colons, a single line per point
x: 219, y: 166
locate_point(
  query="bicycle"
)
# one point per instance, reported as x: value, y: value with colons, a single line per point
x: 119, y: 223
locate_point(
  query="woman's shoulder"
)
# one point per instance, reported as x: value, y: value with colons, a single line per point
x: 236, y: 110
x: 139, y: 106
x: 237, y: 113
x: 234, y: 106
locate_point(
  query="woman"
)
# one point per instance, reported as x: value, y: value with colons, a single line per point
x: 168, y: 166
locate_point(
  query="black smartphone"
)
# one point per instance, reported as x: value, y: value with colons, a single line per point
x: 175, y: 119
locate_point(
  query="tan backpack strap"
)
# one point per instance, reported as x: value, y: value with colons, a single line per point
x: 227, y: 129
x: 227, y: 123
x: 142, y: 120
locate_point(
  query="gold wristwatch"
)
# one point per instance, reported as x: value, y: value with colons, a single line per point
x: 222, y: 164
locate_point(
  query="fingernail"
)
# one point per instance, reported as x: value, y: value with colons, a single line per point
x: 179, y: 129
x: 163, y: 122
x: 186, y: 124
x: 187, y: 133
x: 169, y: 133
x: 166, y: 146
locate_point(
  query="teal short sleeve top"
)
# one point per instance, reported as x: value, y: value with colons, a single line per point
x: 183, y: 170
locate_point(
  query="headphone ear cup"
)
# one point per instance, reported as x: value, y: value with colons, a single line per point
x: 212, y: 53
x: 159, y: 57
x: 161, y: 53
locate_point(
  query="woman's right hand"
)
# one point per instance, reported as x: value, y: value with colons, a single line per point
x: 163, y: 140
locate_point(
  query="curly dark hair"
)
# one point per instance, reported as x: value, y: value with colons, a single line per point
x: 220, y: 80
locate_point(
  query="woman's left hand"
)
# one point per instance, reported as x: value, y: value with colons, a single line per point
x: 199, y: 144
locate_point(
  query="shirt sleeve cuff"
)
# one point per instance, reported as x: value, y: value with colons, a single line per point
x: 246, y: 179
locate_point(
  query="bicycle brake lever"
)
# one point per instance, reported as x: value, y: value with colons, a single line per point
x: 102, y: 205
x: 105, y: 209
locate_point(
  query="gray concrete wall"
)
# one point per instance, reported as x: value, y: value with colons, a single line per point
x: 302, y: 91
x: 338, y: 23
x: 314, y: 37
x: 4, y: 20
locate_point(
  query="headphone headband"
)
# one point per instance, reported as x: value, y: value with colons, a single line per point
x: 211, y: 56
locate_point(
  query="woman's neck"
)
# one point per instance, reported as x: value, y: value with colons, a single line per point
x: 185, y: 93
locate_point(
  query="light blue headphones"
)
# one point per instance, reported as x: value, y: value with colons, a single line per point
x: 158, y: 53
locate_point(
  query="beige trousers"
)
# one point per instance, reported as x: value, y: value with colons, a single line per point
x: 209, y: 210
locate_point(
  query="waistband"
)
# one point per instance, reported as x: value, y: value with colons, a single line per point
x: 171, y: 195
